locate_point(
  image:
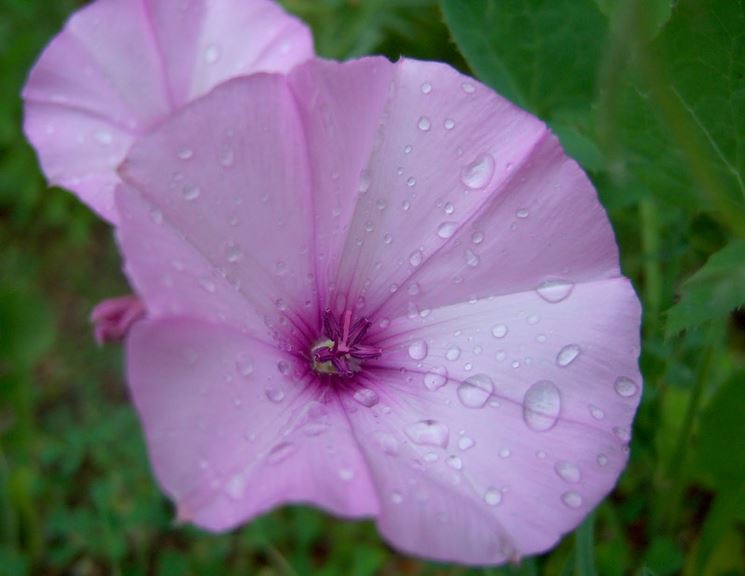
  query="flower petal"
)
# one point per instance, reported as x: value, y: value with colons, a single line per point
x: 120, y: 67
x: 516, y: 419
x: 233, y: 431
x: 230, y: 239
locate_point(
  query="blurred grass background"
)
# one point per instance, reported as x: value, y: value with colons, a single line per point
x: 648, y: 95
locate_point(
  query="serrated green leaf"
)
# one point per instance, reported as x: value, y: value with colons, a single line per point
x: 541, y: 54
x: 712, y: 292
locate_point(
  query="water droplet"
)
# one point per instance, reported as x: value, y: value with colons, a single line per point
x: 533, y: 319
x: 567, y: 355
x: 436, y: 378
x: 622, y: 434
x: 235, y: 487
x: 244, y: 365
x: 207, y: 284
x: 453, y: 353
x: 541, y: 406
x: 284, y: 367
x: 449, y: 124
x: 474, y: 391
x: 626, y: 387
x: 554, y: 291
x: 211, y: 54
x: 275, y: 395
x: 493, y: 497
x: 366, y: 397
x: 227, y: 157
x: 465, y: 443
x: 418, y: 350
x: 468, y: 88
x: 455, y: 462
x: 479, y: 172
x: 416, y: 257
x: 190, y: 192
x: 447, y: 229
x: 380, y: 204
x: 571, y: 499
x: 499, y: 331
x: 233, y: 252
x: 522, y: 213
x: 424, y: 124
x: 396, y: 497
x: 408, y: 148
x: 185, y: 153
x: 365, y: 182
x: 448, y: 208
x: 280, y: 452
x: 602, y: 460
x: 156, y: 215
x: 411, y: 182
x: 428, y: 433
x: 346, y: 474
x: 471, y: 259
x: 568, y: 472
x: 596, y: 412
x: 387, y: 442
x: 103, y: 137
x: 426, y: 88
x: 387, y: 238
x: 477, y: 237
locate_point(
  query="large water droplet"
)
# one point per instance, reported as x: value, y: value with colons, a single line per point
x: 366, y: 397
x: 541, y: 406
x: 474, y: 391
x: 554, y: 291
x: 418, y: 350
x: 499, y: 331
x: 447, y: 229
x: 436, y: 378
x: 626, y: 387
x: 479, y: 172
x: 568, y: 472
x: 572, y: 499
x: 567, y: 355
x: 428, y: 433
x: 493, y: 497
x: 274, y: 394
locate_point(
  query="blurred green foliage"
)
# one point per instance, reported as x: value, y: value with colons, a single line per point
x: 649, y: 95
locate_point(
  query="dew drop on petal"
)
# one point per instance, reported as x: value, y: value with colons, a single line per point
x: 475, y: 391
x: 555, y: 291
x: 596, y: 412
x: 493, y: 497
x: 477, y: 237
x: 447, y: 229
x: 387, y: 442
x: 622, y: 434
x: 572, y: 499
x: 190, y: 193
x: 418, y: 350
x: 499, y: 331
x: 211, y: 54
x: 233, y: 252
x: 208, y: 285
x: 541, y: 406
x: 449, y: 123
x: 426, y: 88
x: 464, y: 443
x: 428, y: 433
x: 275, y: 395
x: 284, y: 367
x: 453, y: 353
x: 626, y: 387
x: 366, y: 397
x: 468, y: 88
x: 436, y: 378
x: 471, y: 258
x: 416, y: 257
x: 478, y: 173
x: 244, y: 365
x: 602, y: 460
x: 424, y: 124
x: 522, y: 213
x: 567, y: 355
x: 455, y: 462
x: 185, y: 153
x: 568, y: 472
x: 365, y: 182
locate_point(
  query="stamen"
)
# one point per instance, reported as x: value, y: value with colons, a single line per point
x: 341, y: 350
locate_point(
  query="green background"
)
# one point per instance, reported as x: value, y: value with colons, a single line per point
x: 648, y: 95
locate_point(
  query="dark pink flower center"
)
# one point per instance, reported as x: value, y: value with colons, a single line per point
x: 342, y: 349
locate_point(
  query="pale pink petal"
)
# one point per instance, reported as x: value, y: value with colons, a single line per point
x: 528, y: 408
x: 120, y: 67
x: 233, y: 430
x: 224, y: 232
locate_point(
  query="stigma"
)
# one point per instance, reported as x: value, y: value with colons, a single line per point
x: 341, y: 349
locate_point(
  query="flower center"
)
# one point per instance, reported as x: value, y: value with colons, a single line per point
x: 341, y: 350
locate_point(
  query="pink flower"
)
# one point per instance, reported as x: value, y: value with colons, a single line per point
x: 399, y: 300
x: 120, y: 67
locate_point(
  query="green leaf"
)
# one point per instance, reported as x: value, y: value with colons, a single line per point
x: 541, y: 54
x: 584, y: 548
x: 712, y: 292
x: 721, y: 443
